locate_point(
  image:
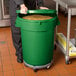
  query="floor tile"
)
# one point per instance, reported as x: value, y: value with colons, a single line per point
x: 29, y: 71
x: 17, y: 66
x: 42, y: 73
x: 7, y: 68
x: 20, y: 72
x: 1, y: 68
x: 1, y: 73
x: 9, y: 73
x: 6, y: 62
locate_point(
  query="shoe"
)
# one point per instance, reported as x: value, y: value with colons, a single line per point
x: 19, y: 59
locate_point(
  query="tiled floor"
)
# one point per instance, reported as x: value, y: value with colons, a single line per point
x: 9, y: 66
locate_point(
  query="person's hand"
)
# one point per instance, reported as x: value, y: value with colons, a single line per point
x: 23, y: 9
x: 44, y: 8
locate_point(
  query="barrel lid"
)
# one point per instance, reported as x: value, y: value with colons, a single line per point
x: 40, y: 11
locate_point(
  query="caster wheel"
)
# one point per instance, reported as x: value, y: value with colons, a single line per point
x: 35, y: 70
x: 68, y: 62
x: 48, y: 67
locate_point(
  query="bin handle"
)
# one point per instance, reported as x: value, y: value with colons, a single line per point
x: 40, y: 11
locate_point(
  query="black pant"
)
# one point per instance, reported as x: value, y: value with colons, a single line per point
x: 16, y: 33
x: 16, y: 36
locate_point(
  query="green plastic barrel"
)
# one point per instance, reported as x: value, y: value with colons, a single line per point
x: 37, y: 37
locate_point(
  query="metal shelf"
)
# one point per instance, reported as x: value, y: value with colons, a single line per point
x: 70, y: 9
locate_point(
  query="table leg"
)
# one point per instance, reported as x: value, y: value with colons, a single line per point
x: 68, y: 34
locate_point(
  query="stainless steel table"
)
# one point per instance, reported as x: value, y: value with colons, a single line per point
x: 70, y: 7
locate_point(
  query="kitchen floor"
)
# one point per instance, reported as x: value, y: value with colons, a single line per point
x: 10, y: 67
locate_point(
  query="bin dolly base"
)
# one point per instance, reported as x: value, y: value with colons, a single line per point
x: 35, y: 68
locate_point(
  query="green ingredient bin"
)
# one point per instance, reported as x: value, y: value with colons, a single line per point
x: 37, y: 38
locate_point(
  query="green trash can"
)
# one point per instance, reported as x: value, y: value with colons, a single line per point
x: 38, y: 38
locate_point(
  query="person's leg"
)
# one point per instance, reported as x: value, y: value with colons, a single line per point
x: 16, y: 37
x: 16, y: 34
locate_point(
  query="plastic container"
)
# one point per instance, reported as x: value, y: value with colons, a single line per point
x: 38, y: 38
